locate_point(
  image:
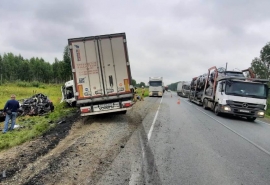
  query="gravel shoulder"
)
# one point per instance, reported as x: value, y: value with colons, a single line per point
x: 78, y: 151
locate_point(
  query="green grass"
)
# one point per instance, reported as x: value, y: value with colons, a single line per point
x: 33, y: 126
x: 146, y: 92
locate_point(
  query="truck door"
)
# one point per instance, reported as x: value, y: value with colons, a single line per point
x: 114, y: 65
x: 87, y: 69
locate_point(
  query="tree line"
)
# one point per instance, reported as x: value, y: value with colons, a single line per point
x: 15, y: 67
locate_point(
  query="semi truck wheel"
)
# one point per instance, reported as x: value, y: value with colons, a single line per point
x: 217, y: 109
x: 205, y: 104
x: 251, y: 118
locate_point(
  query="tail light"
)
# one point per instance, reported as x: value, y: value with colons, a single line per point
x: 127, y: 105
x: 85, y: 110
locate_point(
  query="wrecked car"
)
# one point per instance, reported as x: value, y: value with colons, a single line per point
x: 38, y: 104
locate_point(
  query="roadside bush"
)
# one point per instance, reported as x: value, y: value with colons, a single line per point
x: 35, y: 84
x: 23, y: 84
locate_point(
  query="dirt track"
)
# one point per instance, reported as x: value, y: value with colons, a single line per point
x: 78, y: 151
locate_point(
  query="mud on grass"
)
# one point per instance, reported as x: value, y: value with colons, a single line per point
x: 16, y: 159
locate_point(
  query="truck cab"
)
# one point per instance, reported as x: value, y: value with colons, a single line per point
x: 233, y: 93
x: 156, y: 86
x: 68, y: 93
x: 241, y: 98
x: 183, y: 88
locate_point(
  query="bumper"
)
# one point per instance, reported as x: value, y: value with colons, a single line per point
x: 104, y: 112
x: 155, y: 93
x: 242, y: 111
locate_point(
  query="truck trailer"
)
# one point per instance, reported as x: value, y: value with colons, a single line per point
x: 156, y: 86
x: 230, y: 92
x: 101, y: 74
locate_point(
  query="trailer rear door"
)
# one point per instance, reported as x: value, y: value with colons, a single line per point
x: 101, y: 65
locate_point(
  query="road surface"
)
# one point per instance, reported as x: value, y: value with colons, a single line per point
x: 157, y: 142
x: 185, y: 144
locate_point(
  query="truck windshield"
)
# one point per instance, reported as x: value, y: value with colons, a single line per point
x: 155, y: 83
x: 246, y: 89
x: 186, y: 87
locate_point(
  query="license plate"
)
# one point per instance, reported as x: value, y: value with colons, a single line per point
x: 106, y: 106
x: 246, y: 111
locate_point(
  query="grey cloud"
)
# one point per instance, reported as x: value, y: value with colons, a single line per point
x: 174, y: 39
x: 61, y: 12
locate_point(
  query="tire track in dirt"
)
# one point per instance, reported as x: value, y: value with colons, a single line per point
x: 87, y: 152
x: 16, y: 159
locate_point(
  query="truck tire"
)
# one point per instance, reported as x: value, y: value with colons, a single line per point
x: 205, y: 104
x: 216, y: 110
x: 251, y: 118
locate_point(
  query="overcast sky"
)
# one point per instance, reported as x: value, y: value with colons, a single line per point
x: 176, y: 39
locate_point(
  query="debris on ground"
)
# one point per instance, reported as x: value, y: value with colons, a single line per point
x: 2, y: 115
x: 38, y: 104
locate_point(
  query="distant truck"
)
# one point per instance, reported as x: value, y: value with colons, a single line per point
x: 183, y: 88
x: 166, y: 88
x: 230, y: 92
x: 101, y: 74
x: 156, y: 86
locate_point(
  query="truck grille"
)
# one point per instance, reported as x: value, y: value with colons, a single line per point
x: 243, y: 105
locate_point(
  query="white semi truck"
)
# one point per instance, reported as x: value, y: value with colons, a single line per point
x: 230, y: 92
x: 101, y: 74
x: 183, y: 88
x: 156, y: 86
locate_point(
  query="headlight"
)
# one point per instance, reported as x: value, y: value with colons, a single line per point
x: 150, y: 93
x: 159, y: 93
x: 261, y: 113
x: 227, y: 108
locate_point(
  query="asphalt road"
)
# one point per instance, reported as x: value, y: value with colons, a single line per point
x: 194, y: 146
x: 159, y: 141
x: 185, y: 144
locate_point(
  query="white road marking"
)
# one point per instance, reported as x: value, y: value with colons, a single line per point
x: 154, y: 121
x: 259, y: 147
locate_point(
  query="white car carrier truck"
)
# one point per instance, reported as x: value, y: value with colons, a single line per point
x: 156, y: 86
x: 101, y: 74
x: 230, y: 92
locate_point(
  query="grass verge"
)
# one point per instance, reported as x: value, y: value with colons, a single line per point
x: 34, y: 126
